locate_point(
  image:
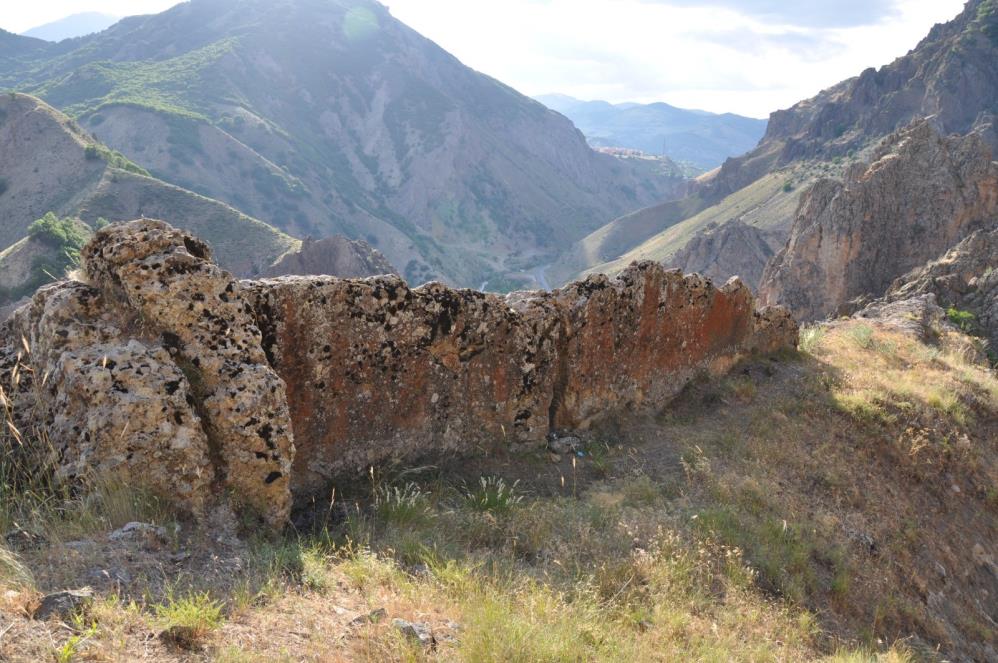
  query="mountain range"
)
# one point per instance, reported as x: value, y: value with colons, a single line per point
x: 76, y: 25
x: 331, y: 117
x: 208, y: 454
x: 698, y: 138
x: 951, y: 77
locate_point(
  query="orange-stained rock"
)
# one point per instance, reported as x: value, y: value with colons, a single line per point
x: 377, y: 370
x: 167, y: 369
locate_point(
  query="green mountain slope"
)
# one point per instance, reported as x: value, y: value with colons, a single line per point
x: 330, y: 116
x: 51, y: 249
x: 48, y: 164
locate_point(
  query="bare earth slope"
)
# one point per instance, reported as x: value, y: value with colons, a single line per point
x: 324, y: 117
x: 47, y: 163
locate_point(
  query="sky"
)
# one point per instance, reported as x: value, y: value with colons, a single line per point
x: 749, y: 57
x: 22, y: 15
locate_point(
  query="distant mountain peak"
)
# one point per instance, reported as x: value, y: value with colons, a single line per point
x: 330, y: 117
x: 75, y: 25
x: 695, y: 137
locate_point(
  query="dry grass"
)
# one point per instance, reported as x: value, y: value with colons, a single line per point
x: 794, y: 511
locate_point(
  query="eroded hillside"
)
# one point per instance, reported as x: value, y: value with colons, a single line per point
x: 49, y: 164
x: 333, y: 117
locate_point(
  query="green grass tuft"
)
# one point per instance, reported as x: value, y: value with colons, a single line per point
x: 197, y: 613
x: 494, y: 495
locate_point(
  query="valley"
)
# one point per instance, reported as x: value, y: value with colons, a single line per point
x: 319, y: 343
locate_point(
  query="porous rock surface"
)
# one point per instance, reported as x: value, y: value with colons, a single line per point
x: 377, y: 369
x: 154, y: 372
x: 164, y: 370
x: 921, y: 195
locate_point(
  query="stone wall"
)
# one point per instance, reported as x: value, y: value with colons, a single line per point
x: 376, y: 369
x: 164, y: 369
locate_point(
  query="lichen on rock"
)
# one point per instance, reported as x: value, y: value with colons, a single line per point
x: 378, y: 370
x: 166, y: 371
x: 155, y: 371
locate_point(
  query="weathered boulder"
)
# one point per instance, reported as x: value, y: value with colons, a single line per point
x: 154, y: 372
x: 63, y: 605
x: 105, y: 401
x: 164, y: 370
x: 190, y: 306
x: 920, y: 196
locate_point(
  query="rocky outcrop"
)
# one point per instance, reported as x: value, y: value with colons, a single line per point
x: 920, y: 196
x: 965, y: 278
x: 108, y: 402
x: 166, y: 371
x: 718, y: 251
x: 333, y: 256
x: 154, y: 371
x: 376, y: 369
x: 921, y: 317
x: 951, y: 76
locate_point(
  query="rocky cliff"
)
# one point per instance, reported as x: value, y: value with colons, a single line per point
x: 920, y: 196
x: 333, y: 256
x: 735, y: 247
x: 951, y: 76
x: 965, y: 279
x: 165, y: 370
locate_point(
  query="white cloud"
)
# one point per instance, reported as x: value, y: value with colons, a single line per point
x: 711, y: 57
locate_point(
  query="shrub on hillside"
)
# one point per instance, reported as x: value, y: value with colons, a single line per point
x: 962, y: 319
x: 61, y: 233
x: 987, y: 17
x: 113, y: 159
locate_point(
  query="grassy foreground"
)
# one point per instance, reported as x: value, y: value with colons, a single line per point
x: 809, y: 507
